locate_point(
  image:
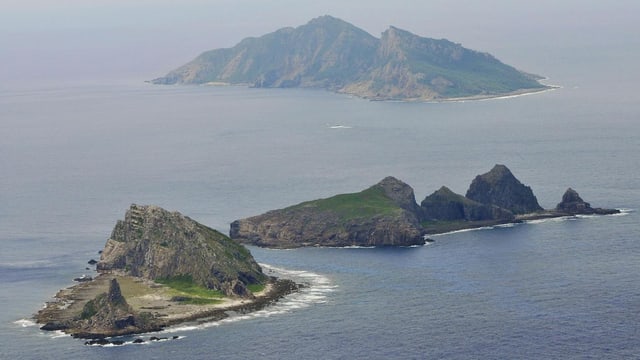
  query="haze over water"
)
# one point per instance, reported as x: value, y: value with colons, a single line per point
x: 75, y: 156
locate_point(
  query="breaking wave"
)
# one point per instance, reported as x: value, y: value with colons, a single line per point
x: 316, y: 290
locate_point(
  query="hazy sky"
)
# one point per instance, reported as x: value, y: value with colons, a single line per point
x: 86, y: 40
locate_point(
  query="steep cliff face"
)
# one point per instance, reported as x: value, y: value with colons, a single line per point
x: 445, y: 205
x: 383, y: 215
x: 155, y: 244
x: 499, y: 187
x: 332, y: 54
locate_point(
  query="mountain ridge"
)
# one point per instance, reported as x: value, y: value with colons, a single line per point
x: 332, y: 54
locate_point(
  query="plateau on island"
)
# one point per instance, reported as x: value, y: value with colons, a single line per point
x: 157, y: 269
x: 387, y: 214
x: 332, y: 54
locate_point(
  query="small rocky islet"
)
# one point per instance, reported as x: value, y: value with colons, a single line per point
x: 157, y: 269
x: 387, y: 214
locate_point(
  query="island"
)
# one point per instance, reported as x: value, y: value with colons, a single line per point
x: 387, y: 214
x: 329, y: 53
x: 157, y: 269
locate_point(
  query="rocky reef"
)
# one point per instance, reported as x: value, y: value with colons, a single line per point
x: 386, y: 214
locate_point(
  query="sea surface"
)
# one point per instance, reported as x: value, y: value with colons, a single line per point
x: 73, y: 158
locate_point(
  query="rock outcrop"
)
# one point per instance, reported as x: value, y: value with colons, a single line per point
x: 573, y: 204
x: 445, y: 205
x: 109, y: 313
x: 332, y: 54
x: 153, y: 243
x: 386, y: 214
x: 499, y: 187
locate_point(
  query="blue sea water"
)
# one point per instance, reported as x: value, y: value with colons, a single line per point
x: 74, y: 158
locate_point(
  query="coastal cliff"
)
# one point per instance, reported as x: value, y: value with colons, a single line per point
x: 332, y: 54
x: 154, y: 244
x: 382, y: 215
x: 386, y: 214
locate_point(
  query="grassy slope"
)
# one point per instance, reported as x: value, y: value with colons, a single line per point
x: 365, y: 204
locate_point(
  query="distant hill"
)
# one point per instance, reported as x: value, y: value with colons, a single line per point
x: 332, y: 54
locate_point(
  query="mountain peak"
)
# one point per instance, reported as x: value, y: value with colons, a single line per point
x: 501, y: 188
x: 333, y: 54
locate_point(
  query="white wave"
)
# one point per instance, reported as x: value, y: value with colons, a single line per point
x: 25, y: 323
x: 58, y: 334
x: 339, y: 127
x: 553, y: 219
x: 464, y: 230
x: 316, y: 291
x: 623, y: 212
x: 508, y: 225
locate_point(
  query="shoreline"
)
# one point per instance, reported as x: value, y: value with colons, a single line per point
x: 452, y: 227
x: 146, y: 296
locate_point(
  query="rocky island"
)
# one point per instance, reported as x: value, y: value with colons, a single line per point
x: 157, y: 269
x: 387, y: 214
x: 329, y: 53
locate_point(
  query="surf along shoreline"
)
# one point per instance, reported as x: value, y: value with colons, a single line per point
x: 156, y: 299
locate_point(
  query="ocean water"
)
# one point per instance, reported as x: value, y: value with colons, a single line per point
x: 74, y: 158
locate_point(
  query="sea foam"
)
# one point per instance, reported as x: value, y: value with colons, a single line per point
x: 316, y: 291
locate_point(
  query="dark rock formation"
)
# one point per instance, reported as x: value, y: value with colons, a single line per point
x: 499, y: 187
x: 445, y: 205
x: 155, y: 244
x: 332, y: 54
x: 386, y: 214
x: 573, y: 204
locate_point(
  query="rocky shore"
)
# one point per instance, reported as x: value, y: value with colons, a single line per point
x: 152, y: 307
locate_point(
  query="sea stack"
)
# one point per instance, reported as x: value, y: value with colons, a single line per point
x: 572, y: 204
x: 499, y: 187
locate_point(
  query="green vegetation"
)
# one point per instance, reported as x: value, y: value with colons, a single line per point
x: 367, y: 203
x: 306, y: 57
x: 187, y: 291
x: 90, y: 307
x: 256, y: 288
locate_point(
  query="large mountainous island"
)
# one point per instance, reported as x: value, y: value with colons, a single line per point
x: 332, y: 54
x: 386, y: 214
